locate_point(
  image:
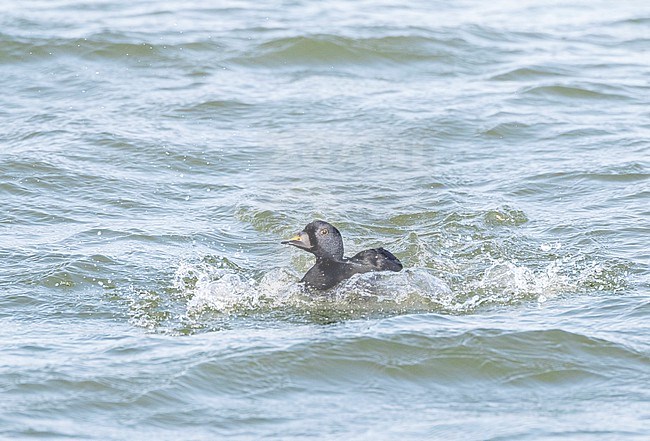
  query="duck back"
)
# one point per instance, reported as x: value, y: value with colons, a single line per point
x: 375, y: 259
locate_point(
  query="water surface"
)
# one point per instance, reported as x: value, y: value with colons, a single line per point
x: 153, y: 155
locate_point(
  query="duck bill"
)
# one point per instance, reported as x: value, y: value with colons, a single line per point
x: 300, y: 240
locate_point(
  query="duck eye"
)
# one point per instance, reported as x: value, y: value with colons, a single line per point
x: 323, y: 231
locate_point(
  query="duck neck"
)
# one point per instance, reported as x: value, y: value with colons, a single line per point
x: 327, y: 260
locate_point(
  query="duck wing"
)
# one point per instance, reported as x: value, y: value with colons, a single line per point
x: 327, y: 273
x: 375, y: 259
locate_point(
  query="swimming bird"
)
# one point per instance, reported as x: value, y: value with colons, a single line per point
x: 324, y: 241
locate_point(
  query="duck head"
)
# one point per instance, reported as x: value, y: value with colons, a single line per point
x: 321, y: 239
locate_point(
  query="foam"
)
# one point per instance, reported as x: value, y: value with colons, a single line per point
x: 228, y: 291
x: 206, y: 294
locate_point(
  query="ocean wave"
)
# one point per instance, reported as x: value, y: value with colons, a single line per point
x: 576, y: 92
x: 307, y: 50
x: 102, y: 46
x: 338, y: 50
x: 532, y: 73
x: 510, y: 359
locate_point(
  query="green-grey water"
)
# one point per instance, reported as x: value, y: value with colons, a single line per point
x: 153, y: 154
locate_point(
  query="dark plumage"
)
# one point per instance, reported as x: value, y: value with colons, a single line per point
x: 324, y: 241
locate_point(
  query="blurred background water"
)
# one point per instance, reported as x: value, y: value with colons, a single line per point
x: 153, y: 154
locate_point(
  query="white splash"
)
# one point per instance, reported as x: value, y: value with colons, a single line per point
x: 226, y: 289
x: 505, y: 282
x: 229, y: 291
